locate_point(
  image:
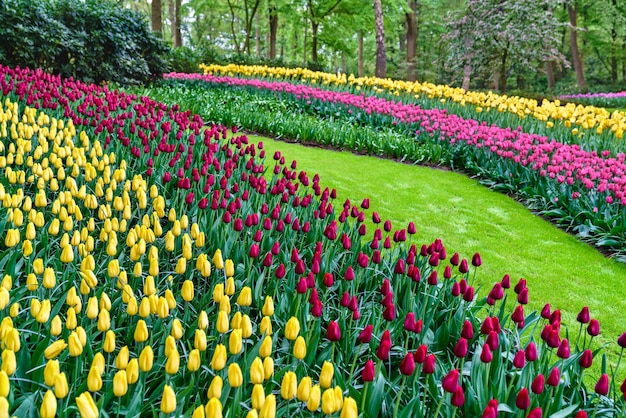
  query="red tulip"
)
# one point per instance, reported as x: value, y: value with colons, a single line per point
x: 522, y: 401
x: 333, y: 333
x: 382, y: 352
x: 458, y: 397
x: 476, y: 260
x: 531, y: 351
x: 593, y: 329
x: 491, y: 410
x: 545, y: 312
x: 554, y: 377
x: 563, y: 351
x: 621, y: 341
x: 486, y: 356
x: 407, y: 366
x: 586, y: 359
x: 365, y: 336
x: 390, y: 312
x: 602, y: 387
x: 535, y: 413
x: 368, y: 371
x: 583, y: 315
x: 519, y: 361
x: 538, y: 384
x: 460, y: 349
x: 454, y: 260
x: 409, y: 322
x: 467, y: 331
x: 450, y: 381
x: 421, y: 353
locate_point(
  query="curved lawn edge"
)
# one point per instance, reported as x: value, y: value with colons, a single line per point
x: 469, y: 217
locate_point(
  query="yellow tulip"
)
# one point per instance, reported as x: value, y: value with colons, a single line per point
x: 266, y: 326
x: 199, y: 340
x: 86, y: 406
x: 92, y: 308
x: 177, y: 329
x: 31, y: 282
x: 203, y: 320
x: 246, y: 326
x: 213, y: 408
x: 12, y: 238
x: 269, y: 407
x: 50, y: 372
x: 44, y: 311
x: 76, y: 348
x: 14, y: 310
x: 12, y: 340
x: 265, y: 349
x: 245, y: 297
x: 4, y: 407
x: 7, y: 282
x: 94, y: 379
x: 218, y: 261
x: 168, y: 400
x: 48, y: 407
x: 299, y: 348
x: 38, y: 267
x: 258, y: 396
x: 328, y: 401
x: 304, y: 389
x: 235, y: 342
x: 149, y: 287
x: 120, y: 383
x: 235, y: 377
x: 292, y: 328
x: 229, y: 268
x: 49, y: 278
x: 109, y: 341
x: 67, y: 254
x: 163, y: 309
x: 170, y: 345
x: 113, y: 268
x: 5, y: 297
x: 141, y: 331
x: 350, y: 409
x: 235, y: 322
x: 56, y: 326
x: 173, y: 362
x: 268, y: 306
x: 218, y: 292
x: 268, y: 367
x: 104, y: 320
x: 98, y: 362
x: 198, y: 412
x: 187, y: 290
x: 229, y: 287
x: 121, y: 361
x: 146, y: 359
x: 54, y: 349
x: 61, y: 388
x: 132, y: 371
x: 5, y: 385
x: 222, y: 322
x: 215, y: 388
x: 71, y: 321
x: 338, y: 398
x: 326, y: 375
x: 144, y: 307
x: 193, y: 362
x: 289, y: 386
x: 253, y: 413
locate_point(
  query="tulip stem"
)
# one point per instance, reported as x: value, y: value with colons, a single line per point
x: 436, y: 414
x: 395, y: 410
x: 364, y: 396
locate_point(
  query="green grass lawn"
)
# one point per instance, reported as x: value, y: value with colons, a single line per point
x: 469, y: 217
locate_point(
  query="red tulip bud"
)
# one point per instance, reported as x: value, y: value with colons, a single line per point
x: 467, y: 331
x: 583, y: 315
x: 407, y: 366
x: 458, y: 397
x: 450, y: 381
x: 537, y: 385
x: 535, y: 413
x: 593, y: 329
x: 368, y: 371
x: 621, y: 341
x: 365, y: 336
x: 382, y: 352
x: 485, y: 355
x: 563, y: 351
x: 333, y: 333
x: 531, y: 351
x: 586, y: 359
x: 602, y: 387
x: 554, y: 377
x: 522, y: 401
x: 476, y: 260
x: 429, y: 364
x: 460, y: 349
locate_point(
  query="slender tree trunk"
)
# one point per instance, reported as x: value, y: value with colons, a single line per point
x: 257, y: 34
x: 614, y: 48
x: 157, y: 22
x: 344, y: 63
x: 314, y: 27
x: 232, y: 28
x: 178, y: 36
x: 624, y: 59
x: 572, y: 13
x: 171, y: 14
x: 502, y: 81
x: 304, y: 42
x: 294, y: 47
x: 273, y: 14
x: 467, y: 68
x: 411, y: 40
x: 550, y: 74
x: 360, y: 59
x: 381, y: 53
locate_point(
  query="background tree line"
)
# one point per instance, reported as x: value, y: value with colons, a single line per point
x: 531, y: 45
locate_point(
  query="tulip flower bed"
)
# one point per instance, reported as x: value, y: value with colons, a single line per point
x: 583, y: 191
x: 521, y: 111
x: 610, y: 100
x: 150, y: 267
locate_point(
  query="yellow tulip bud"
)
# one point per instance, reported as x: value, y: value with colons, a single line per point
x: 92, y: 308
x: 12, y: 340
x: 292, y: 328
x: 350, y: 409
x: 7, y: 282
x: 5, y: 385
x: 268, y: 367
x: 168, y: 400
x: 218, y: 261
x: 222, y: 322
x: 181, y: 266
x: 229, y: 268
x: 268, y: 306
x: 113, y: 268
x: 257, y: 373
x: 218, y: 362
x: 266, y: 326
x: 38, y: 267
x: 149, y: 287
x: 94, y: 379
x: 56, y: 326
x: 269, y: 407
x: 70, y: 321
x: 15, y: 310
x: 49, y: 278
x: 265, y: 350
x: 218, y: 292
x: 258, y: 396
x: 193, y: 362
x: 54, y: 349
x: 177, y: 329
x: 104, y: 320
x: 203, y: 320
x: 48, y: 407
x: 235, y: 342
x: 304, y: 389
x: 314, y: 398
x: 50, y: 372
x: 213, y: 408
x: 12, y: 238
x: 229, y: 288
x: 31, y: 282
x: 86, y: 406
x: 198, y: 412
x: 289, y: 385
x: 299, y: 348
x: 338, y: 398
x: 61, y: 388
x: 141, y: 331
x: 109, y: 341
x: 328, y: 401
x: 98, y: 362
x: 235, y: 322
x: 146, y: 358
x: 173, y: 362
x: 235, y: 377
x: 132, y: 371
x: 4, y: 407
x: 215, y: 388
x: 199, y: 340
x: 245, y: 297
x: 44, y: 311
x: 67, y: 254
x: 326, y: 375
x: 187, y: 291
x: 76, y: 348
x: 253, y: 413
x: 120, y: 383
x: 9, y: 363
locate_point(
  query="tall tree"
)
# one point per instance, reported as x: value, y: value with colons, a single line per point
x: 318, y: 11
x: 273, y: 26
x: 411, y: 39
x: 572, y: 13
x: 156, y: 17
x: 381, y: 52
x: 249, y: 9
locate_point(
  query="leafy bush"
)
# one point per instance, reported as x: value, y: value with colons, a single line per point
x: 94, y: 41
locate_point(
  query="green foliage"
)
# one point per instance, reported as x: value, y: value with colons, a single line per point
x: 95, y: 41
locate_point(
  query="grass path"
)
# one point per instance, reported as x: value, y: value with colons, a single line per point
x: 469, y: 217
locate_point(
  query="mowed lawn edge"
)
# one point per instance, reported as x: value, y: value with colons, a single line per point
x: 469, y: 217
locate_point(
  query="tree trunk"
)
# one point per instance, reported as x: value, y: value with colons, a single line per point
x: 314, y: 27
x: 232, y: 28
x: 467, y: 68
x: 381, y: 53
x: 157, y: 23
x: 360, y: 59
x: 304, y: 42
x: 550, y: 74
x: 294, y: 47
x: 502, y: 81
x: 257, y: 34
x: 411, y: 40
x: 273, y: 14
x: 171, y: 13
x: 178, y: 37
x: 624, y: 59
x: 572, y: 12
